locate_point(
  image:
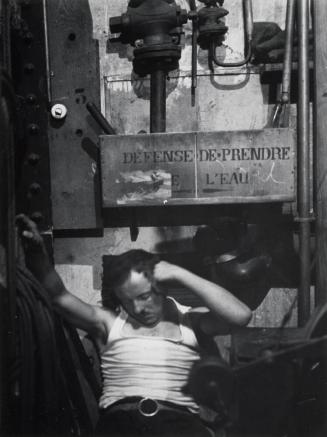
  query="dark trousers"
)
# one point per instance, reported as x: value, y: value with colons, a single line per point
x: 164, y: 424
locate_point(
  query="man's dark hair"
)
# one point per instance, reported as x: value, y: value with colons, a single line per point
x: 117, y: 268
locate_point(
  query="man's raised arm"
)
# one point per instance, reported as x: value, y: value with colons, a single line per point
x: 74, y: 310
x: 226, y: 311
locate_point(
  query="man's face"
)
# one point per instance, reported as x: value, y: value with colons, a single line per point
x: 141, y: 299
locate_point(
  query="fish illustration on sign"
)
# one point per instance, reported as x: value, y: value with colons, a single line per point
x: 144, y: 185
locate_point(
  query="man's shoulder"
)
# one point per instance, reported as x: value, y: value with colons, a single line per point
x: 104, y: 312
x: 105, y: 316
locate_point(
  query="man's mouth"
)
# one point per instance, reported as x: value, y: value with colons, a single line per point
x: 148, y: 318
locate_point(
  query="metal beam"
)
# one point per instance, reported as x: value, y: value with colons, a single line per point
x: 320, y: 145
x: 303, y: 160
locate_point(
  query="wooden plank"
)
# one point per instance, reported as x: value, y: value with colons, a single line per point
x: 74, y: 80
x: 198, y: 168
x: 320, y: 150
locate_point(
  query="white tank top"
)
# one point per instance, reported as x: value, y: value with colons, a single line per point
x: 143, y: 365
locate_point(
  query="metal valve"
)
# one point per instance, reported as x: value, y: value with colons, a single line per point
x: 154, y: 28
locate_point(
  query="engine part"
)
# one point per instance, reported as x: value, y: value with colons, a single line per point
x: 212, y: 383
x: 211, y: 27
x: 154, y: 28
x: 209, y: 31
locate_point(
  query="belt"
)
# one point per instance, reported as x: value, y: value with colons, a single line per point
x: 147, y: 407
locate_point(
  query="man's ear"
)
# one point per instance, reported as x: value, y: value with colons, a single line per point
x: 110, y: 299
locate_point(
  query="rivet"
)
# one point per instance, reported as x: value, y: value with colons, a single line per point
x: 33, y: 158
x: 31, y: 99
x: 33, y: 129
x: 35, y: 188
x: 28, y: 37
x: 37, y: 216
x: 29, y: 68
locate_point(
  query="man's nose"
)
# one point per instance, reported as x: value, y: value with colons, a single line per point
x: 138, y: 307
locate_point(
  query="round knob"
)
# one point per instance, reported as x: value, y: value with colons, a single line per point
x: 59, y: 111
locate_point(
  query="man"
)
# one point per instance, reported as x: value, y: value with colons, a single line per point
x: 149, y: 347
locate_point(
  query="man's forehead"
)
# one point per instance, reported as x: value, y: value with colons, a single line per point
x: 137, y: 283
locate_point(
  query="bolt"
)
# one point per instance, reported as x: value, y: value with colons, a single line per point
x: 31, y: 99
x: 28, y: 37
x: 268, y: 355
x: 35, y: 188
x: 37, y: 216
x: 139, y: 43
x: 33, y: 158
x: 33, y: 129
x: 58, y: 111
x: 29, y: 68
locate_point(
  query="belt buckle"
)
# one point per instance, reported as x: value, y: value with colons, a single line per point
x: 148, y: 407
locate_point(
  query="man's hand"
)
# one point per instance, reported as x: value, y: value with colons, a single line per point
x: 29, y: 232
x: 164, y: 271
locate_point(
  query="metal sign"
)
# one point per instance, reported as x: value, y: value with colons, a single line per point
x: 198, y: 168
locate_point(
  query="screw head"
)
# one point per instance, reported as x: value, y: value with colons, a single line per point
x: 58, y: 111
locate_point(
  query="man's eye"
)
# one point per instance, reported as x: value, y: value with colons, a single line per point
x: 145, y: 296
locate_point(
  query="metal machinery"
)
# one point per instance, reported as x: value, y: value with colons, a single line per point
x: 281, y: 392
x: 35, y: 396
x: 155, y: 29
x: 280, y: 367
x: 292, y: 369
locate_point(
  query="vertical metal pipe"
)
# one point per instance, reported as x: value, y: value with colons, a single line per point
x: 320, y: 146
x: 158, y: 101
x: 194, y: 60
x: 303, y: 160
x: 248, y: 23
x: 287, y: 67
